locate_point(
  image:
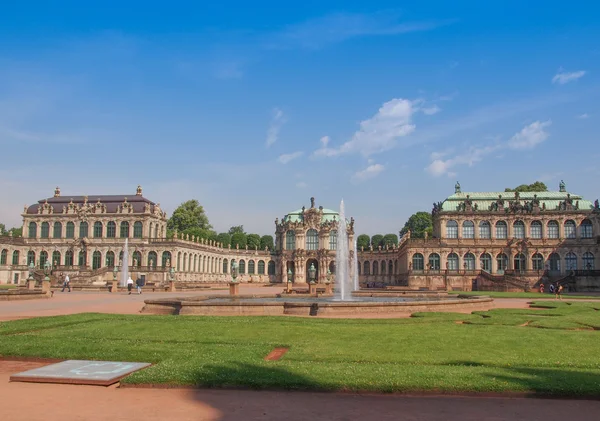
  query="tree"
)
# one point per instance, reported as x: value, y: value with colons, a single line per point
x: 538, y: 186
x: 363, y: 241
x: 3, y: 229
x: 190, y: 216
x: 224, y: 238
x: 390, y: 240
x: 267, y: 241
x: 239, y: 239
x: 237, y: 229
x: 376, y: 240
x: 17, y: 232
x: 418, y: 224
x: 253, y: 241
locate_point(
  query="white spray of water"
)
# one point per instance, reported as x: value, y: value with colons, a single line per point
x: 355, y: 283
x: 125, y: 267
x: 343, y: 280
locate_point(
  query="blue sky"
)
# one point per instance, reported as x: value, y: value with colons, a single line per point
x: 254, y: 108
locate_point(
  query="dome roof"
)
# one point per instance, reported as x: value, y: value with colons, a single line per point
x: 296, y: 216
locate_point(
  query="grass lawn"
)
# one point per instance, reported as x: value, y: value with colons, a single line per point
x: 548, y: 351
x: 534, y: 295
x: 7, y: 286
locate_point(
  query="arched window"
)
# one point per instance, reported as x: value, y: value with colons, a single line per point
x: 469, y: 261
x: 166, y: 259
x: 15, y: 257
x: 69, y: 258
x: 502, y: 262
x: 453, y: 261
x: 55, y: 258
x: 251, y: 267
x: 83, y: 229
x: 124, y: 229
x: 137, y: 257
x: 390, y: 268
x: 434, y: 261
x: 242, y: 267
x: 586, y: 229
x: 417, y: 261
x: 537, y: 262
x: 451, y: 229
x: 553, y: 229
x: 571, y: 261
x: 57, y: 230
x: 486, y: 262
x: 96, y: 260
x: 45, y: 230
x: 30, y: 257
x: 554, y: 262
x: 32, y: 230
x: 156, y: 231
x: 570, y: 229
x: 468, y: 229
x: 111, y: 229
x: 588, y: 261
x: 536, y: 229
x: 382, y: 267
x: 3, y: 257
x: 366, y: 268
x: 312, y: 239
x: 98, y: 228
x: 519, y: 229
x: 375, y: 268
x: 520, y: 262
x: 271, y: 267
x: 137, y: 229
x: 82, y: 258
x: 501, y: 230
x: 290, y: 240
x: 225, y: 265
x: 70, y: 230
x: 110, y: 259
x: 333, y: 240
x: 43, y: 258
x: 485, y: 230
x: 261, y: 267
x: 152, y: 259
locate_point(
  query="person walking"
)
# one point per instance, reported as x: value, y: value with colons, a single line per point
x: 559, y: 289
x: 66, y: 282
x: 139, y: 283
x: 129, y: 285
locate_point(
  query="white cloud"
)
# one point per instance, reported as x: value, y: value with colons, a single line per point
x: 277, y: 121
x: 583, y: 116
x: 566, y: 77
x: 371, y: 171
x: 530, y: 136
x: 301, y: 185
x: 287, y: 157
x: 431, y: 110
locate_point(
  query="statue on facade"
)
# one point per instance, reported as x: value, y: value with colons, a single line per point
x: 457, y: 188
x: 562, y: 187
x: 468, y: 204
x: 135, y: 263
x: 596, y: 204
x: 312, y: 202
x: 168, y: 263
x: 138, y: 191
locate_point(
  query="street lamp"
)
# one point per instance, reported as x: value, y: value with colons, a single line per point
x: 312, y: 273
x: 234, y: 270
x: 172, y: 273
x: 290, y: 275
x: 47, y: 267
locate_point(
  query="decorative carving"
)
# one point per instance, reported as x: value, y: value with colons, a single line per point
x: 138, y: 192
x: 562, y: 187
x: 312, y: 202
x: 437, y: 207
x: 457, y: 188
x: 57, y: 192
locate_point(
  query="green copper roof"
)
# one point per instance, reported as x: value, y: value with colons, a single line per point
x: 484, y: 199
x: 296, y: 216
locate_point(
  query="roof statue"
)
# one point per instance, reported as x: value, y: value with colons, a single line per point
x: 57, y: 192
x: 138, y: 192
x: 312, y: 202
x: 561, y: 187
x: 457, y: 187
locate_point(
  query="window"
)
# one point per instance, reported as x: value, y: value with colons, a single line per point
x: 43, y: 258
x: 333, y: 240
x: 137, y: 230
x: 553, y: 229
x: 82, y: 258
x: 242, y: 267
x: 468, y: 229
x: 124, y: 229
x: 536, y: 229
x: 110, y: 259
x: 434, y: 261
x: 375, y: 268
x: 452, y: 261
x: 502, y: 262
x: 417, y: 261
x: 485, y: 230
x: 290, y: 240
x: 469, y: 261
x: 225, y: 263
x: 69, y: 258
x: 250, y: 267
x: 70, y: 230
x: 166, y: 258
x: 537, y: 261
x: 30, y: 257
x: 451, y: 229
x: 152, y: 259
x: 261, y: 267
x: 271, y: 268
x: 570, y: 229
x: 586, y: 229
x: 32, y: 230
x: 571, y: 261
x: 98, y: 228
x: 45, y: 230
x: 501, y: 230
x: 312, y: 240
x: 57, y: 230
x: 55, y: 258
x: 518, y: 229
x: 588, y: 261
x: 366, y: 268
x: 15, y: 259
x: 486, y: 262
x: 96, y: 260
x: 520, y: 262
x: 83, y: 230
x: 111, y: 230
x: 554, y: 261
x: 3, y: 257
x: 382, y: 267
x: 390, y: 268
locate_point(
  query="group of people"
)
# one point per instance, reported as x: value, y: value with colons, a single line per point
x: 555, y: 289
x: 139, y: 283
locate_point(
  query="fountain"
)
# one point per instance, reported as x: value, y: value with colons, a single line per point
x: 125, y: 266
x: 344, y: 282
x: 355, y: 282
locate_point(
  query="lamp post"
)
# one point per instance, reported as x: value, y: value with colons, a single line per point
x: 312, y: 273
x: 31, y: 269
x: 172, y: 273
x: 290, y: 275
x: 234, y: 270
x: 234, y: 287
x: 47, y: 267
x: 115, y: 273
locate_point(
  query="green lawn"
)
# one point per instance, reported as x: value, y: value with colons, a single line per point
x: 548, y: 351
x: 534, y: 295
x: 7, y: 286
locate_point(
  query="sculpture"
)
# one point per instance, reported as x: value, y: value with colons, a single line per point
x: 457, y: 187
x: 312, y: 202
x: 562, y: 187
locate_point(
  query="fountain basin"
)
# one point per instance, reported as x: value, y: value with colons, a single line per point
x: 311, y: 306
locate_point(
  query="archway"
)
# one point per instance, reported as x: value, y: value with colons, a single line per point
x: 308, y: 265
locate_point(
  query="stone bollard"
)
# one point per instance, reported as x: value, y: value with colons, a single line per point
x: 312, y: 289
x: 328, y: 289
x: 172, y: 286
x: 234, y: 288
x: 288, y: 287
x: 46, y: 287
x: 31, y: 284
x: 114, y: 287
